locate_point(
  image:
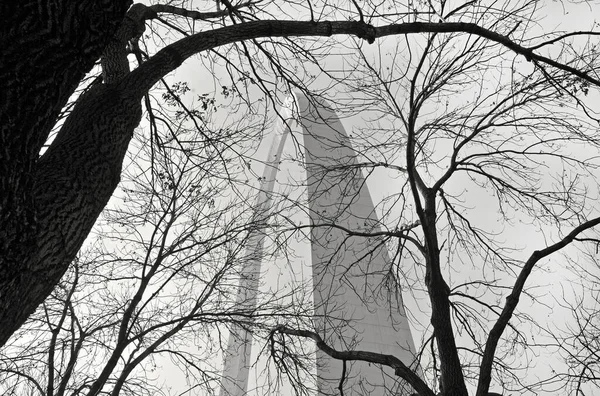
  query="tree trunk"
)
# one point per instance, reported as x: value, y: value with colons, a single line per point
x: 47, y: 48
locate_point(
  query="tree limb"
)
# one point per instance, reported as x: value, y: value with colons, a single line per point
x: 170, y: 57
x: 485, y: 369
x: 169, y: 9
x: 401, y: 370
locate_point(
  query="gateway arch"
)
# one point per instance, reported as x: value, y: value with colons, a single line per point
x: 354, y: 309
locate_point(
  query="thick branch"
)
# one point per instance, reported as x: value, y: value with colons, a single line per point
x: 169, y: 58
x: 485, y: 369
x: 400, y: 368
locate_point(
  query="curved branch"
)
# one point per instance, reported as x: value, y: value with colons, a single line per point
x: 170, y: 57
x: 27, y: 377
x: 400, y: 369
x: 485, y: 369
x: 564, y: 36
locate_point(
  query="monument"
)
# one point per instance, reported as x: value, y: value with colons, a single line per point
x: 356, y: 306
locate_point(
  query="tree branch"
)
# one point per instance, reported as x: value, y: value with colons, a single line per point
x: 400, y: 233
x: 485, y: 369
x: 401, y: 370
x: 169, y: 9
x: 170, y: 57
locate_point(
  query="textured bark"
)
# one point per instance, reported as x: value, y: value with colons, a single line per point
x: 47, y: 47
x: 73, y: 182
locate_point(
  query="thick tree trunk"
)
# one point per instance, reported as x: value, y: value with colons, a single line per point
x: 74, y: 180
x: 47, y: 47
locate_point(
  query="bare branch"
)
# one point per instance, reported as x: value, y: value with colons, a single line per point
x: 400, y: 368
x: 197, y: 15
x: 170, y: 57
x: 512, y: 300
